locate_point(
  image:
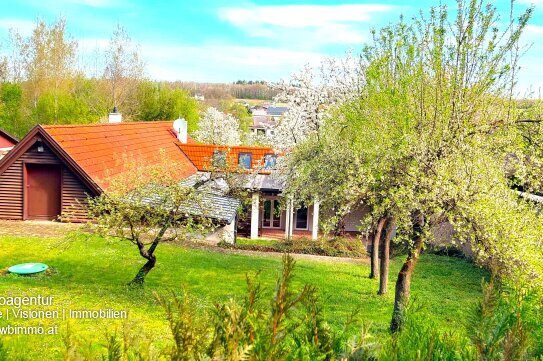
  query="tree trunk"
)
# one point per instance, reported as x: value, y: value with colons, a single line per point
x: 144, y: 270
x: 374, y: 267
x: 403, y: 283
x: 149, y: 255
x: 385, y: 256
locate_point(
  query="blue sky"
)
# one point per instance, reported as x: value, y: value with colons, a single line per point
x: 222, y: 41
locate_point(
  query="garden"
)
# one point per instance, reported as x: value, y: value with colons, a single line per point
x: 89, y: 272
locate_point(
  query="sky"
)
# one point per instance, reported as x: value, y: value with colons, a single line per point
x: 223, y: 41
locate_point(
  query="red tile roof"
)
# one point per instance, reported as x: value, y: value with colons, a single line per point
x: 201, y: 155
x: 99, y: 148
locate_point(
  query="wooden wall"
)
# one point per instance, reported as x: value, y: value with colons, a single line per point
x: 74, y: 192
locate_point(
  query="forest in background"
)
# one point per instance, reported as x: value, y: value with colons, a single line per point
x: 42, y: 81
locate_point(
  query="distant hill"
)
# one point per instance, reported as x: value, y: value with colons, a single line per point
x: 224, y: 91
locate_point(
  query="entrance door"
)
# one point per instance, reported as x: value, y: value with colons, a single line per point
x: 272, y: 214
x: 42, y: 191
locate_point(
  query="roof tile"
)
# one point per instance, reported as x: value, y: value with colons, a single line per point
x: 99, y: 148
x: 201, y: 155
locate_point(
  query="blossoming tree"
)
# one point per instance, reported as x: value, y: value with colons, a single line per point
x: 218, y: 128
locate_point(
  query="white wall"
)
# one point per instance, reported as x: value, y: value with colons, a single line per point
x: 352, y: 220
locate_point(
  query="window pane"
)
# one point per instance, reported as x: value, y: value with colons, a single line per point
x: 276, y: 214
x: 267, y: 213
x: 244, y: 160
x: 219, y: 159
x: 301, y: 218
x: 269, y: 161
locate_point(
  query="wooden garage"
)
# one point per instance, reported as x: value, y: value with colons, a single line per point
x: 55, y: 168
x: 38, y: 182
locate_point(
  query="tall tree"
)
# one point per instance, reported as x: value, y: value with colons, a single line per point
x: 10, y: 109
x: 429, y: 135
x: 308, y: 95
x: 123, y: 69
x: 384, y: 255
x: 158, y: 101
x: 45, y: 60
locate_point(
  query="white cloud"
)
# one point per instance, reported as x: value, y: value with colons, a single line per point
x: 531, y: 2
x: 93, y: 3
x: 24, y: 27
x: 307, y: 26
x: 301, y: 16
x: 223, y: 63
x: 533, y: 29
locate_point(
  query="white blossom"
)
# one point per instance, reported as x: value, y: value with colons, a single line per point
x: 310, y: 93
x: 218, y: 128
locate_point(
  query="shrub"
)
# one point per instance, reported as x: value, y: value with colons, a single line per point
x: 334, y: 247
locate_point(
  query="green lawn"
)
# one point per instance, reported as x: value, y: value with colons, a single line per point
x: 92, y: 273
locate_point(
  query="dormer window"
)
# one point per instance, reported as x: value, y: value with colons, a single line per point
x: 245, y: 160
x: 270, y: 160
x: 219, y: 158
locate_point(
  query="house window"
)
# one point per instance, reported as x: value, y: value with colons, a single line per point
x: 272, y: 214
x: 301, y: 218
x: 219, y: 159
x: 269, y: 161
x: 261, y: 131
x: 245, y: 160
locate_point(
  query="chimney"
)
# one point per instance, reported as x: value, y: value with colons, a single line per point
x: 180, y: 128
x: 115, y: 117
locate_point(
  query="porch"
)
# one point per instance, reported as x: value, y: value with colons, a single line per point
x: 272, y: 219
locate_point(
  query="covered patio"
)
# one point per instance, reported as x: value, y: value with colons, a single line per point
x: 271, y: 216
x: 270, y: 219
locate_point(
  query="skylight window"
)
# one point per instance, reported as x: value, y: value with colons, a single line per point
x: 245, y: 160
x: 270, y: 160
x: 219, y: 158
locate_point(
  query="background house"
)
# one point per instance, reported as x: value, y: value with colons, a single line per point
x: 7, y: 141
x: 265, y: 118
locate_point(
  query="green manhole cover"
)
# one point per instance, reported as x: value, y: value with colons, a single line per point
x: 28, y: 268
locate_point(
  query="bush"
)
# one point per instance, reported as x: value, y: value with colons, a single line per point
x: 334, y: 247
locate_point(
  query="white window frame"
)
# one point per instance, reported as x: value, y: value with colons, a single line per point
x: 272, y: 200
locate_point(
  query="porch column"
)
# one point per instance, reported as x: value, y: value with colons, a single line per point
x: 289, y: 222
x: 315, y: 229
x: 255, y: 210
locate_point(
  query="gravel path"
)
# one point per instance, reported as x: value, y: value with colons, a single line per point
x: 37, y: 228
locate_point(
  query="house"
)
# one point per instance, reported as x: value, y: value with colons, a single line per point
x: 265, y: 118
x: 268, y: 216
x: 54, y: 169
x: 7, y: 141
x: 276, y: 112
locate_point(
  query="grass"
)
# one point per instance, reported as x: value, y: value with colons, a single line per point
x: 91, y: 273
